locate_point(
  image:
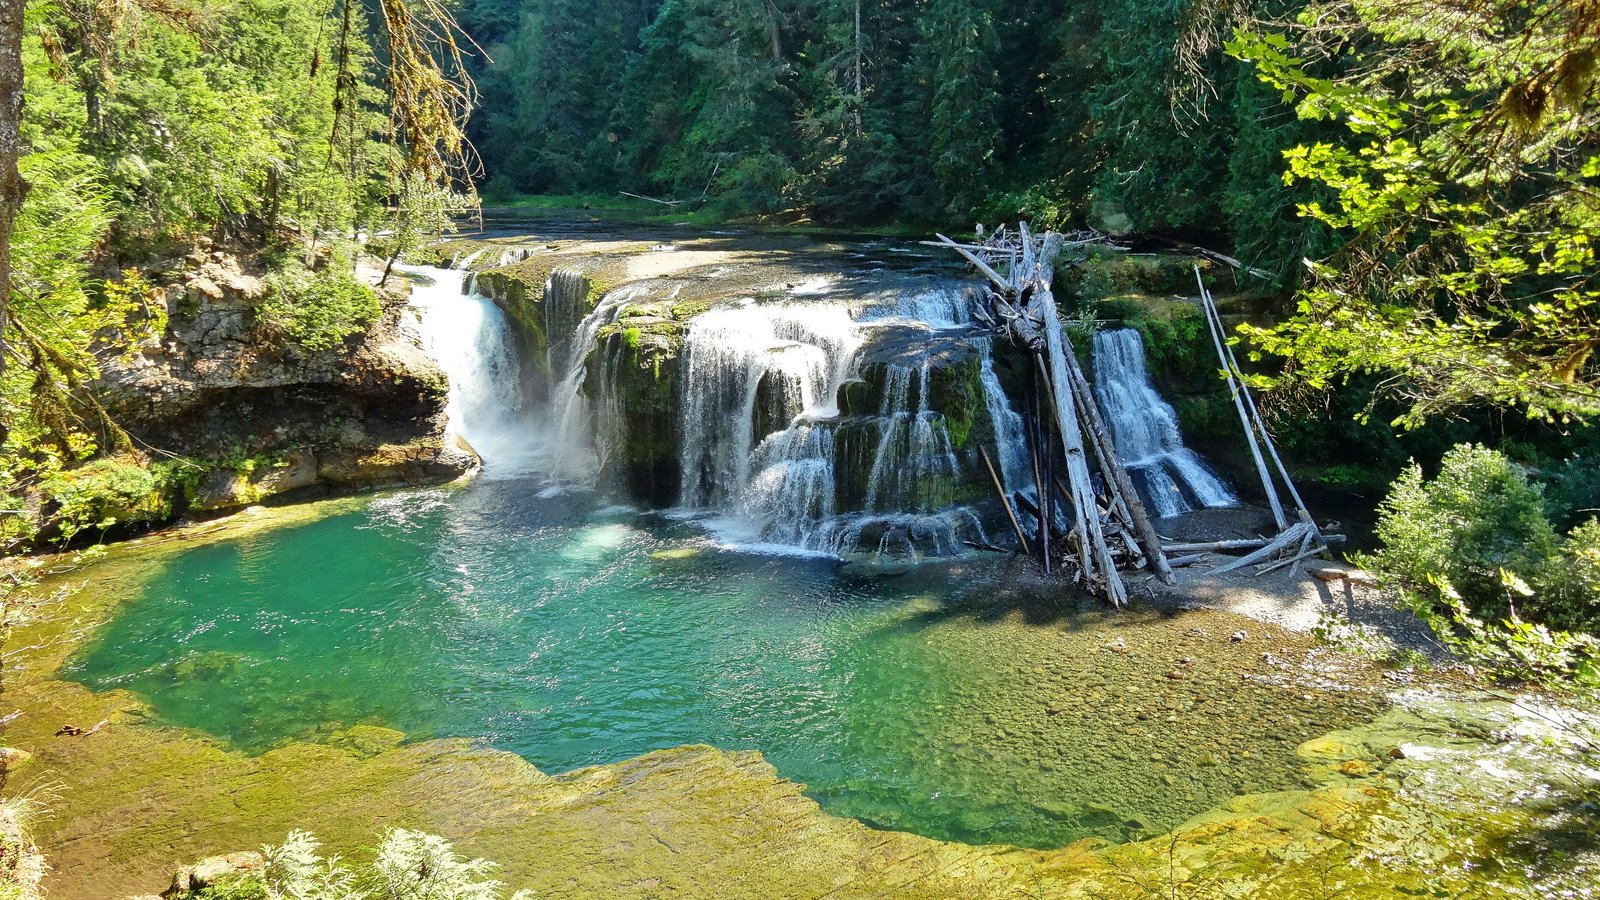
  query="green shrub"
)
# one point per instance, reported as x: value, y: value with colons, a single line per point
x: 1109, y: 274
x: 316, y: 310
x: 1573, y: 494
x: 1474, y: 554
x: 109, y: 492
x: 1479, y: 517
x: 242, y: 889
x: 1573, y: 583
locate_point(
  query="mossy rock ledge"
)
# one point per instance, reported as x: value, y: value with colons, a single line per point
x: 237, y: 416
x: 633, y: 377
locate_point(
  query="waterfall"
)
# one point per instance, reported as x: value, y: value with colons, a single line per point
x: 915, y: 467
x: 573, y: 453
x: 766, y: 455
x: 469, y: 337
x: 1011, y: 454
x: 1145, y: 430
x: 801, y: 352
x: 762, y: 429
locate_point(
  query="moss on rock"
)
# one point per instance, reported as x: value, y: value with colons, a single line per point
x: 634, y: 368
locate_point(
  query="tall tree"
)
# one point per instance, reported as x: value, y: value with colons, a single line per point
x: 11, y: 188
x: 959, y: 57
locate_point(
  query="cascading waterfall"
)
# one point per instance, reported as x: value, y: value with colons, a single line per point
x: 759, y: 393
x: 800, y: 352
x: 1010, y: 446
x: 760, y: 427
x: 1144, y: 428
x: 573, y: 454
x: 915, y: 463
x: 469, y: 336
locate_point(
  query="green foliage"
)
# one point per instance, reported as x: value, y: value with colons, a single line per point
x: 1472, y: 547
x: 932, y: 111
x: 1470, y: 275
x: 110, y: 492
x: 1478, y: 518
x: 408, y: 865
x: 1573, y: 494
x: 1516, y: 650
x: 316, y: 311
x: 1573, y: 582
x: 221, y: 120
x: 242, y: 889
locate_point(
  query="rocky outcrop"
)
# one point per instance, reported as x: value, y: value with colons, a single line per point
x: 633, y: 376
x: 256, y: 418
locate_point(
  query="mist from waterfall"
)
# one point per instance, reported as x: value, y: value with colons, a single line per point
x: 1144, y: 428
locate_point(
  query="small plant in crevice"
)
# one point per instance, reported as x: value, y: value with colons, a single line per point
x: 316, y: 310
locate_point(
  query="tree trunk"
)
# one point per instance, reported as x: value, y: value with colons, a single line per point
x: 856, y: 113
x: 11, y: 186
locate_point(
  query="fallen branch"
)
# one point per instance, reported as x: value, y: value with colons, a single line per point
x: 651, y: 199
x: 1291, y: 535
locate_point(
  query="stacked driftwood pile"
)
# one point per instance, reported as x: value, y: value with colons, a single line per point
x: 1106, y: 524
x: 1083, y: 526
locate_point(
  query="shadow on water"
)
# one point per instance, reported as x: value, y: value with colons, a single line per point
x: 981, y: 591
x: 1562, y: 838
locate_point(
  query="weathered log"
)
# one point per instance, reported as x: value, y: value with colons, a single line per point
x: 1036, y: 429
x: 1212, y: 254
x: 988, y: 548
x: 1287, y: 538
x: 1244, y: 419
x: 982, y: 266
x: 1305, y: 552
x: 1255, y: 413
x: 1231, y: 545
x: 1222, y: 546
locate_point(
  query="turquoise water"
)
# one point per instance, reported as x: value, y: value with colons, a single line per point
x: 573, y: 637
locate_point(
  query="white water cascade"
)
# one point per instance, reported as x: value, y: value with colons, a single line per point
x: 1145, y: 430
x: 768, y: 458
x: 573, y: 452
x: 762, y: 428
x: 469, y: 337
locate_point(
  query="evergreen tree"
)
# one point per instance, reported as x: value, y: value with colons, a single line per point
x: 960, y: 51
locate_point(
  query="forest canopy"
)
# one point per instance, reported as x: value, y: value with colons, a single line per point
x: 867, y: 111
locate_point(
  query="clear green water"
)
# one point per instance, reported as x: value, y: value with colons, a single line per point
x: 543, y: 627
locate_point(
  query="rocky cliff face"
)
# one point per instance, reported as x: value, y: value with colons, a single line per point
x: 261, y: 418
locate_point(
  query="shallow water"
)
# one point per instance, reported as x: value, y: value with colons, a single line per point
x: 575, y: 637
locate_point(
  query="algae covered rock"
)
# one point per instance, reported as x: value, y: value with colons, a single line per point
x: 632, y: 377
x: 216, y: 872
